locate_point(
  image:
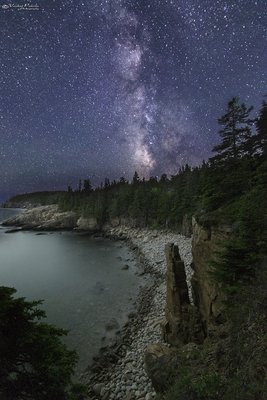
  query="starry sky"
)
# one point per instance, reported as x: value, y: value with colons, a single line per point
x: 101, y: 88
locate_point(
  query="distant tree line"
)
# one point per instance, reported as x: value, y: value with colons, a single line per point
x: 231, y: 172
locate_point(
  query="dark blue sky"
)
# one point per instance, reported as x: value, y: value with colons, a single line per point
x: 103, y: 88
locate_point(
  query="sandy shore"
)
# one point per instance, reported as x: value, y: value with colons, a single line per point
x: 118, y: 372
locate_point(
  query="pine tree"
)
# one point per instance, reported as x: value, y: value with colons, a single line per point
x: 107, y: 183
x: 261, y: 137
x: 235, y: 132
x: 87, y: 187
x: 136, y: 178
x: 163, y: 178
x: 122, y: 180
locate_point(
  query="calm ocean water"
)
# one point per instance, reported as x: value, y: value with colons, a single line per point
x: 80, y: 279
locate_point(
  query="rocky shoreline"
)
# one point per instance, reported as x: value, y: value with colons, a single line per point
x: 119, y: 371
x: 43, y: 218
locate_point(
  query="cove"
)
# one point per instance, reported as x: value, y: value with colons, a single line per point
x: 81, y: 279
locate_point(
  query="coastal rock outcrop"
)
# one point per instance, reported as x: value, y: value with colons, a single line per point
x: 188, y: 323
x: 183, y: 322
x: 44, y: 218
x: 207, y: 242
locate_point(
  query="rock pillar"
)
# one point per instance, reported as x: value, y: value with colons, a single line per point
x: 182, y: 321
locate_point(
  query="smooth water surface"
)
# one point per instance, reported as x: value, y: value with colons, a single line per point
x: 80, y: 279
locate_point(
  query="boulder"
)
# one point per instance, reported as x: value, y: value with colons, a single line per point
x: 87, y: 224
x: 97, y: 388
x: 114, y: 222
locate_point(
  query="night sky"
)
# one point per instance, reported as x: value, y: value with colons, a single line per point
x: 101, y: 88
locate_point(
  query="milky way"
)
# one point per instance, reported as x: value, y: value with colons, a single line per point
x: 103, y: 88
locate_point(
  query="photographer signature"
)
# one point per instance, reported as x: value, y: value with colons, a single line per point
x: 26, y: 6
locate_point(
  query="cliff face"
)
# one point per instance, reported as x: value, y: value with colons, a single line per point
x: 229, y: 360
x: 207, y: 241
x: 189, y: 328
x: 51, y: 218
x: 186, y: 322
x: 183, y: 323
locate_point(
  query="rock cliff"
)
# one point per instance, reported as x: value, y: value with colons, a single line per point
x: 187, y: 322
x: 207, y: 242
x: 189, y: 328
x: 183, y: 323
x: 51, y: 218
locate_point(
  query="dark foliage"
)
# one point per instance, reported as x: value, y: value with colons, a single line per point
x: 35, y: 364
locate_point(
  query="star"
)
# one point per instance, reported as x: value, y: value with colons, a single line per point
x: 105, y: 88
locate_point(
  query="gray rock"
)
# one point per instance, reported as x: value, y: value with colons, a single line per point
x: 130, y: 396
x: 97, y: 388
x: 104, y: 393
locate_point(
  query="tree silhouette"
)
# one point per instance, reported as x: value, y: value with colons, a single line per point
x: 136, y: 178
x: 87, y: 187
x: 235, y: 132
x: 35, y: 364
x: 261, y: 137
